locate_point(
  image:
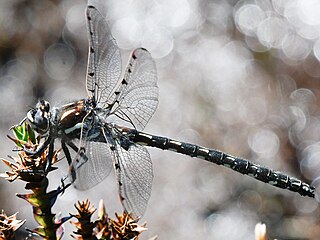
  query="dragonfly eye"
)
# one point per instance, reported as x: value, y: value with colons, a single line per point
x: 43, y: 106
x: 39, y: 117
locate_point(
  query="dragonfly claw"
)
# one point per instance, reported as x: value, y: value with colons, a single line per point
x: 64, y: 186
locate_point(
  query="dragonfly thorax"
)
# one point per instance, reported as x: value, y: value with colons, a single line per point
x: 39, y: 117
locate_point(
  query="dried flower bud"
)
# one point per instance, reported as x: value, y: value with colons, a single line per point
x: 8, y: 225
x: 84, y: 225
x: 126, y: 227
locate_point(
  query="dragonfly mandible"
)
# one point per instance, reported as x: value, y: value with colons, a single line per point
x: 107, y: 126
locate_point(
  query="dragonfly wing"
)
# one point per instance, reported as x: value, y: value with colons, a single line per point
x: 137, y: 95
x: 97, y: 167
x: 134, y: 174
x: 104, y: 61
x: 93, y: 161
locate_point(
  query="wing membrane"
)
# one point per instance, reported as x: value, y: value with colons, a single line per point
x: 97, y: 166
x: 134, y: 173
x: 137, y: 96
x: 132, y: 100
x: 104, y: 61
x: 93, y: 162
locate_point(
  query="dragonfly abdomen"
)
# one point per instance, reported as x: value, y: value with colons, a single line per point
x: 240, y: 165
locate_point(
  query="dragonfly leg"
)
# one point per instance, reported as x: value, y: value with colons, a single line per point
x: 73, y: 146
x: 64, y: 186
x: 81, y: 152
x: 69, y: 159
x: 79, y: 163
x: 50, y: 156
x: 66, y: 152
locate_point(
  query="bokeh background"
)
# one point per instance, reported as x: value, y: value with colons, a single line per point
x: 240, y: 76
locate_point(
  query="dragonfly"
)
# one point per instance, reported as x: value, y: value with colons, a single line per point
x: 104, y: 131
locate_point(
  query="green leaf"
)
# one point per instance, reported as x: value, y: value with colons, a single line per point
x: 31, y: 134
x: 18, y: 132
x: 24, y: 133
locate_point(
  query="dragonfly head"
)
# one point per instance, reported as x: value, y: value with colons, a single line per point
x: 39, y: 117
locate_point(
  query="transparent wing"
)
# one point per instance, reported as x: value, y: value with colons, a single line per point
x: 95, y: 168
x: 93, y: 161
x: 104, y: 61
x: 137, y: 95
x: 134, y: 173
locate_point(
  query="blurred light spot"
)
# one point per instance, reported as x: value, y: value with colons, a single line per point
x: 16, y: 82
x: 265, y: 143
x: 310, y: 164
x: 248, y: 18
x: 302, y: 97
x: 280, y: 5
x: 239, y: 52
x: 58, y: 61
x: 13, y: 26
x: 290, y: 14
x: 218, y: 13
x: 285, y: 85
x: 310, y: 134
x: 130, y: 33
x: 207, y: 56
x: 316, y: 49
x: 158, y: 41
x: 300, y: 118
x: 229, y: 63
x: 127, y: 32
x: 212, y: 183
x: 271, y: 32
x: 234, y: 219
x: 255, y: 45
x: 190, y: 135
x: 316, y: 184
x: 308, y: 32
x: 305, y: 205
x: 235, y: 142
x: 273, y: 209
x: 227, y: 101
x: 294, y: 137
x: 183, y: 43
x: 23, y: 68
x: 250, y: 200
x: 54, y: 94
x: 295, y: 47
x: 309, y: 11
x: 171, y: 13
x: 75, y: 18
x: 253, y: 110
x: 8, y: 93
x: 311, y: 66
x: 251, y: 82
